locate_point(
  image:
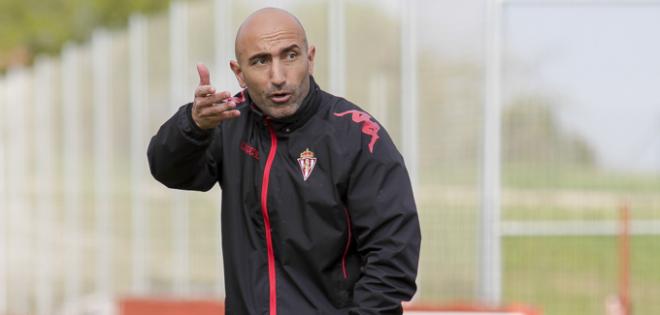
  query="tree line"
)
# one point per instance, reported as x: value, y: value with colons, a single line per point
x: 33, y: 27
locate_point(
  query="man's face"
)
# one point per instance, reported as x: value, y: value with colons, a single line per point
x: 274, y: 63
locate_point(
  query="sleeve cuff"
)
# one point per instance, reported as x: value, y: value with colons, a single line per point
x: 190, y: 128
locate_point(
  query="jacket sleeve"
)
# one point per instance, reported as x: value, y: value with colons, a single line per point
x: 182, y: 155
x: 386, y: 228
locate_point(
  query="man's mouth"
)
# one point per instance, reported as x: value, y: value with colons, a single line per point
x: 280, y: 97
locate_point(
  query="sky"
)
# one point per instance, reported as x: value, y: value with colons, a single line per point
x: 601, y: 61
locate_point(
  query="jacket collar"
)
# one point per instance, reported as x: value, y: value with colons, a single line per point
x: 306, y: 110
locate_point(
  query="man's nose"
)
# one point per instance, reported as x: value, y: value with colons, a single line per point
x: 278, y: 74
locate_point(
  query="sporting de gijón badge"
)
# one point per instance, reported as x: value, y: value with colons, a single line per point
x: 307, y: 161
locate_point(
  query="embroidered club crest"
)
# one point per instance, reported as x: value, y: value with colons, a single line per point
x: 307, y: 161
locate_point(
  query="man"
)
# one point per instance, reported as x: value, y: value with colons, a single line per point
x: 318, y: 215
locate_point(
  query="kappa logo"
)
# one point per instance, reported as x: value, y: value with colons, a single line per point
x: 307, y: 161
x: 369, y: 127
x: 250, y: 150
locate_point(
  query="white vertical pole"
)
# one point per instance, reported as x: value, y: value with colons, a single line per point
x: 71, y: 167
x: 44, y: 152
x: 138, y: 108
x: 224, y: 46
x: 180, y: 95
x: 409, y: 89
x: 490, y: 247
x: 378, y: 97
x: 19, y: 209
x: 3, y: 200
x: 101, y: 45
x: 223, y: 54
x: 337, y: 47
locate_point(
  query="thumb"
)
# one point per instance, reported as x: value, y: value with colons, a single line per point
x: 204, y: 76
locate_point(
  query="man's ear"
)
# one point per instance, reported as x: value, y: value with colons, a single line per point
x: 236, y: 68
x: 311, y: 52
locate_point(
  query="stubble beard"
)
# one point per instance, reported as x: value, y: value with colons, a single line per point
x: 278, y: 111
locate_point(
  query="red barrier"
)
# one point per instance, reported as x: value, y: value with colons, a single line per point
x: 472, y: 308
x: 144, y: 306
x: 134, y: 306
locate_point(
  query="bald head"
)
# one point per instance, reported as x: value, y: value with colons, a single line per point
x: 267, y: 23
x: 273, y: 61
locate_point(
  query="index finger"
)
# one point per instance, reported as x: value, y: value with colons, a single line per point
x: 204, y: 76
x: 204, y: 90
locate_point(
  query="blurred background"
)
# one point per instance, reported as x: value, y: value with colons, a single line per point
x: 527, y: 127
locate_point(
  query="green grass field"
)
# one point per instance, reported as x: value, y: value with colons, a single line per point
x: 559, y: 275
x: 574, y: 275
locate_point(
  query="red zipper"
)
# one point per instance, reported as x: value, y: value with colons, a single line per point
x: 264, y: 211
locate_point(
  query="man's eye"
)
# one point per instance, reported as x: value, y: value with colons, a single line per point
x: 259, y: 61
x: 291, y: 55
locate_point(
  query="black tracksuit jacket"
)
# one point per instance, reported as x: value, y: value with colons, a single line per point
x: 344, y: 239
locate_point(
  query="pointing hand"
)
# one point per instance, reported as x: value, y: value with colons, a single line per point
x: 210, y: 108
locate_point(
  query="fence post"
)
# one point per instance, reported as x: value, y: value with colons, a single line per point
x: 180, y: 95
x: 3, y: 201
x: 490, y: 259
x: 409, y: 89
x: 337, y: 47
x: 624, y: 259
x: 72, y: 150
x: 138, y: 91
x: 223, y: 46
x: 44, y: 154
x: 101, y: 46
x: 378, y: 97
x: 223, y: 50
x: 71, y: 169
x: 19, y: 232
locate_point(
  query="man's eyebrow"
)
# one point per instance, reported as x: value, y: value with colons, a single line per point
x: 258, y: 55
x: 290, y: 47
x: 265, y: 54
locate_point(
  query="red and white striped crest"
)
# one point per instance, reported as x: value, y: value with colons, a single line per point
x: 307, y: 161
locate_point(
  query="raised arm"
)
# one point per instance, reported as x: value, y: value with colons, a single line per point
x: 185, y: 153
